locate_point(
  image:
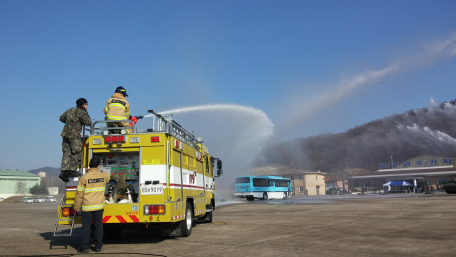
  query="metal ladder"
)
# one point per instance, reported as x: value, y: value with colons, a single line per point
x: 59, y: 219
x: 62, y: 203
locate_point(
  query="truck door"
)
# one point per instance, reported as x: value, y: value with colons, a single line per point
x: 206, y: 171
x: 178, y: 176
x: 204, y: 180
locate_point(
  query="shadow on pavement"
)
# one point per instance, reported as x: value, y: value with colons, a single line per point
x: 110, y: 254
x: 142, y: 236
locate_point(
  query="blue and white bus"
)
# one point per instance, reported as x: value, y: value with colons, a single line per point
x: 262, y: 187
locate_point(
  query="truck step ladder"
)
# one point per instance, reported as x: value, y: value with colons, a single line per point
x: 59, y: 219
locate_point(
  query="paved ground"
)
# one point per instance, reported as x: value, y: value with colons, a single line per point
x: 307, y: 226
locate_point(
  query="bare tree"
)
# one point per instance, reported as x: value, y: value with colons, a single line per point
x: 51, y: 181
x: 21, y: 188
x: 339, y: 175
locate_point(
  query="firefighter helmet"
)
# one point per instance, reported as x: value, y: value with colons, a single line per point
x: 121, y: 90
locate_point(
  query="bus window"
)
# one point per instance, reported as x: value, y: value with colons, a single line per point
x: 243, y: 180
x: 260, y: 182
x: 271, y: 183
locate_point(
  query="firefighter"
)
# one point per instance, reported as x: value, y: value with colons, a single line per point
x: 73, y: 118
x: 118, y: 108
x: 90, y: 198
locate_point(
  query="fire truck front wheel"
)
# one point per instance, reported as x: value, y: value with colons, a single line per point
x: 188, y: 222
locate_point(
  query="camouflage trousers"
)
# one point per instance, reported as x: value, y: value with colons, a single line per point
x: 71, y: 148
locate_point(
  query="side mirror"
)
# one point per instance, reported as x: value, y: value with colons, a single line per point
x: 219, y: 168
x: 219, y: 164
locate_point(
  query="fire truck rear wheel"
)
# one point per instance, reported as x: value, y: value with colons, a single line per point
x: 188, y: 222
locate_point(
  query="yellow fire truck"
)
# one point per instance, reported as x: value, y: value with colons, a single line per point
x: 161, y: 178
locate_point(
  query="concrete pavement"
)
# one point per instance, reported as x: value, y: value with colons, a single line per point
x: 323, y: 226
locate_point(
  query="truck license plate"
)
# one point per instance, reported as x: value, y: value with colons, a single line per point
x: 152, y: 190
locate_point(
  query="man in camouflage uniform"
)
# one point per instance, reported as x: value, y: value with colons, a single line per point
x: 73, y: 118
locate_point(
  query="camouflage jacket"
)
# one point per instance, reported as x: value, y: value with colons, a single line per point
x: 73, y: 119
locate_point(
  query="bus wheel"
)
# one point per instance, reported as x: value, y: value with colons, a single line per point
x: 188, y: 222
x: 265, y: 196
x: 284, y: 195
x: 250, y: 198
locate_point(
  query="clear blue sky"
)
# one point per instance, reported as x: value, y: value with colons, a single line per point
x: 295, y: 60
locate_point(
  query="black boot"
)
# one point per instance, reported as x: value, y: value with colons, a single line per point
x: 73, y: 174
x: 63, y: 176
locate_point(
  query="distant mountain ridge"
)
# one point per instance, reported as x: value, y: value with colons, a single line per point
x: 427, y: 131
x: 50, y: 171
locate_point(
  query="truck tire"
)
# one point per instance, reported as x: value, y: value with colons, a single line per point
x: 250, y: 198
x: 188, y: 221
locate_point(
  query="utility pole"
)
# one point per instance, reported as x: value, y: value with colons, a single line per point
x: 390, y: 166
x: 346, y: 162
x: 343, y: 179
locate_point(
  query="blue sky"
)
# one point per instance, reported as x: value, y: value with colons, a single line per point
x: 297, y: 61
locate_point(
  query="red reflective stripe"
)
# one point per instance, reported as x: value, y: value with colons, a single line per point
x: 121, y: 219
x: 106, y: 218
x: 71, y: 187
x: 134, y: 218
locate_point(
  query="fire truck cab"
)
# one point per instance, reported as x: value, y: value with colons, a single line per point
x: 161, y: 178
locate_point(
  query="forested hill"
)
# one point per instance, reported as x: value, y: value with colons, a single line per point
x: 427, y: 131
x: 49, y: 171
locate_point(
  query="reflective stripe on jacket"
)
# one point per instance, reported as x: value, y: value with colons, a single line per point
x: 90, y: 192
x: 117, y: 108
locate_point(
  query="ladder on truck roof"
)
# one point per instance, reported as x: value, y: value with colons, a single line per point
x: 160, y: 124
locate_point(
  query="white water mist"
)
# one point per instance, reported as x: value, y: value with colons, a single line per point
x: 233, y: 133
x: 304, y: 110
x: 431, y: 134
x: 259, y: 119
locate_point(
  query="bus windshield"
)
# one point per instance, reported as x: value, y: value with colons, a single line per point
x: 281, y: 183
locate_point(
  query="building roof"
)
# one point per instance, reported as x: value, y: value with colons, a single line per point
x: 17, y: 173
x: 434, y: 171
x: 304, y: 173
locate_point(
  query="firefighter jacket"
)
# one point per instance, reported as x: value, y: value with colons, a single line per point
x: 117, y: 108
x: 74, y: 118
x: 90, y: 193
